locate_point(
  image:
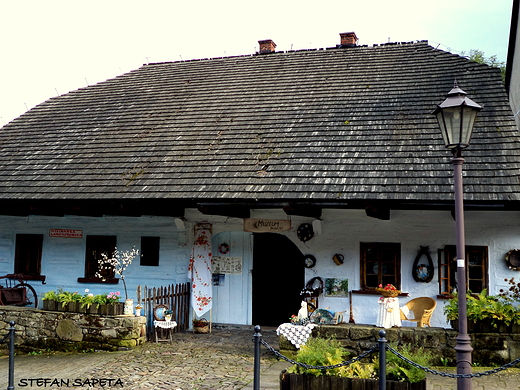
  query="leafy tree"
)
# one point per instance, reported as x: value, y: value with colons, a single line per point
x: 479, y: 56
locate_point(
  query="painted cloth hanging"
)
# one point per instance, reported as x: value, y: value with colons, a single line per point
x: 199, y: 270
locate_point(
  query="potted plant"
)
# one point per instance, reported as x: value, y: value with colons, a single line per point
x: 168, y: 315
x: 109, y: 303
x: 119, y: 262
x: 50, y: 300
x: 87, y: 301
x: 67, y: 301
x: 201, y: 325
x: 321, y: 352
x: 485, y: 313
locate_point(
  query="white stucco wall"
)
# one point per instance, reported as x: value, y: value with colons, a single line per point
x: 514, y: 84
x: 342, y: 231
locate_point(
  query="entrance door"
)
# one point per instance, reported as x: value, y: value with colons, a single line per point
x: 278, y: 278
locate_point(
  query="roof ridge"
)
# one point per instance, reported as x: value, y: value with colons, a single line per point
x: 292, y: 51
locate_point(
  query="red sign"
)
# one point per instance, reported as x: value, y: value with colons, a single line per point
x: 66, y: 233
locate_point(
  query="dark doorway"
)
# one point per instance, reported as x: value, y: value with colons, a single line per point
x: 278, y: 278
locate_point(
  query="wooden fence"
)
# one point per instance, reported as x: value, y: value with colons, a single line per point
x: 177, y: 297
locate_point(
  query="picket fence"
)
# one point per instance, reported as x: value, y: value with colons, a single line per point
x: 176, y: 296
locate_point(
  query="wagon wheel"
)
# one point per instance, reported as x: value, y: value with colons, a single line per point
x: 31, y: 298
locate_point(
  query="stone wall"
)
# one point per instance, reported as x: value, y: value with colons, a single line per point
x: 65, y: 331
x: 489, y: 348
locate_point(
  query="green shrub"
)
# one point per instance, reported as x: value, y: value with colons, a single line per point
x: 499, y: 309
x: 398, y: 370
x: 328, y: 352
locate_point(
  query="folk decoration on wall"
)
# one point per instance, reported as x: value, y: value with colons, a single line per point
x: 305, y: 232
x: 309, y: 261
x: 513, y: 259
x: 422, y: 271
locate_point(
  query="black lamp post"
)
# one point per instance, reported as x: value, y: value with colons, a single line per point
x: 456, y: 116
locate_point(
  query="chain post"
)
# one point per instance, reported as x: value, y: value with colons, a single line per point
x: 382, y: 359
x: 257, y: 338
x: 11, y: 356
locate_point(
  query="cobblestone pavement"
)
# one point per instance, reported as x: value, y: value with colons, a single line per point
x: 222, y: 360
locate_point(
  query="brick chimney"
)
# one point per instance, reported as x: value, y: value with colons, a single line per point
x: 267, y: 46
x: 348, y: 39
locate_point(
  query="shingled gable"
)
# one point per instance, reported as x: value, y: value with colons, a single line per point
x: 333, y: 127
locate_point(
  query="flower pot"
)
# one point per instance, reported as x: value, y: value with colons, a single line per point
x: 116, y: 309
x: 93, y: 309
x: 129, y: 307
x: 49, y: 304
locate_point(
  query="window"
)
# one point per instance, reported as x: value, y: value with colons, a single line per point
x: 150, y: 251
x: 96, y: 245
x: 28, y: 254
x: 380, y: 264
x: 476, y: 268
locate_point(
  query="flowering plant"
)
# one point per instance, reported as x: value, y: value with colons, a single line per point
x: 118, y: 263
x: 88, y: 299
x: 388, y: 287
x: 388, y: 291
x: 200, y: 322
x: 112, y: 297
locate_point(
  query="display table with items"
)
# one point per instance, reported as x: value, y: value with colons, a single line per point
x: 389, y: 314
x: 164, y: 326
x: 296, y: 334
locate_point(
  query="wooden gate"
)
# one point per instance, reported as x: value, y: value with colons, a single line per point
x: 177, y: 297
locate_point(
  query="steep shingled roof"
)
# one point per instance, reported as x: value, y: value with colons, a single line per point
x: 316, y: 125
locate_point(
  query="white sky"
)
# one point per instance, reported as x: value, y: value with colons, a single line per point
x: 55, y: 46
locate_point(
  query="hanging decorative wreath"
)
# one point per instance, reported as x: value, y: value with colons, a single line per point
x: 513, y: 259
x: 223, y: 249
x: 313, y: 288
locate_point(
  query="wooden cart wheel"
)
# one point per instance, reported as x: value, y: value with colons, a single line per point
x: 31, y: 298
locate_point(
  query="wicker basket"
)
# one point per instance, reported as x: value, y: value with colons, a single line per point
x: 388, y: 293
x: 201, y: 329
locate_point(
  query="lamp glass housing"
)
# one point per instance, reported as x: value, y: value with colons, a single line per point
x: 456, y: 116
x: 457, y: 125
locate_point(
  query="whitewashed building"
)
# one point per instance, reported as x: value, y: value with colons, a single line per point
x: 286, y: 155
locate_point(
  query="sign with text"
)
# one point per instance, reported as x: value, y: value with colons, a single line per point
x: 266, y: 225
x: 65, y: 233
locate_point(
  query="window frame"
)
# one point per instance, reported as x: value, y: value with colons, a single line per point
x: 93, y: 245
x: 447, y: 267
x: 24, y: 247
x: 381, y: 248
x: 150, y: 244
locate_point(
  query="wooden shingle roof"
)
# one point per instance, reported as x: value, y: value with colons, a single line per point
x: 328, y: 125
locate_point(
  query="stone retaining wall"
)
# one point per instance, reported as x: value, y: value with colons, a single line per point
x: 489, y: 348
x: 65, y: 331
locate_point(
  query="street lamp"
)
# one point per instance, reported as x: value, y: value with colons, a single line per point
x: 456, y: 116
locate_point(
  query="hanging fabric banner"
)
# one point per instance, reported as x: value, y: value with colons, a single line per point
x: 199, y: 271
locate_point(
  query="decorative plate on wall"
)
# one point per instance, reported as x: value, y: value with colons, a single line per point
x: 305, y: 232
x: 513, y: 259
x: 309, y: 261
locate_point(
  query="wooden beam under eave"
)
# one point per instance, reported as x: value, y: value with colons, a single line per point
x: 233, y: 211
x: 303, y: 211
x: 379, y: 212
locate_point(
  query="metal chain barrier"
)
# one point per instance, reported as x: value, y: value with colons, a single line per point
x: 5, y: 338
x: 446, y: 374
x: 346, y: 363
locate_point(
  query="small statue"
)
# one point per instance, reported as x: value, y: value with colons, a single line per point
x: 303, y: 313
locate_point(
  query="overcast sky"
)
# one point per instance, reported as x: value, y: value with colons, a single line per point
x: 55, y: 46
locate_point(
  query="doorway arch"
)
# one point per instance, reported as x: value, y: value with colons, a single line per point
x: 278, y: 278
